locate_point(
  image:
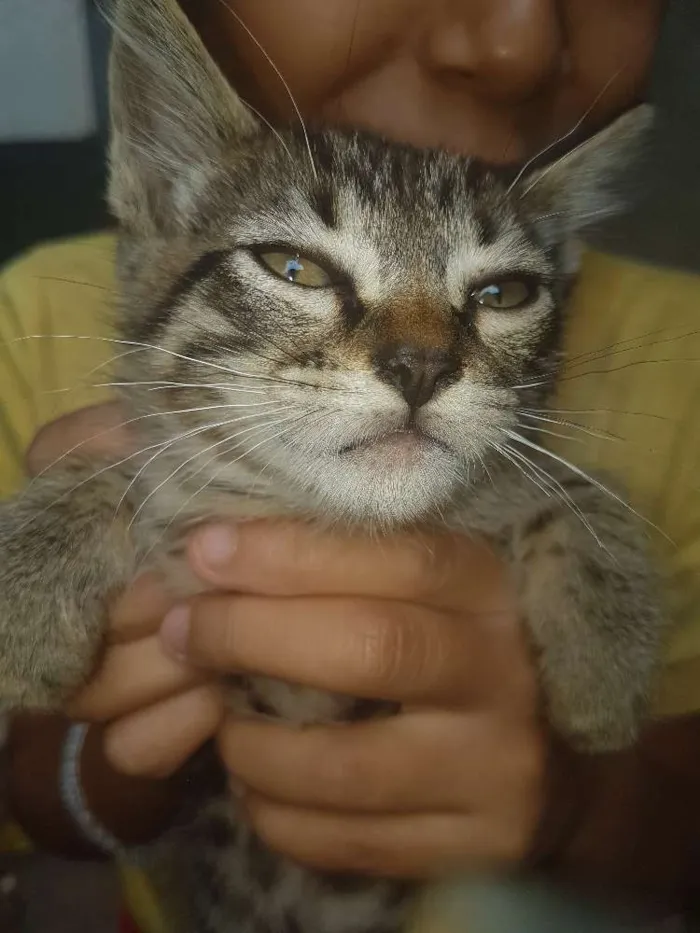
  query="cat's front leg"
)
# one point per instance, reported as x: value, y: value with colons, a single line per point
x: 592, y: 603
x: 65, y: 550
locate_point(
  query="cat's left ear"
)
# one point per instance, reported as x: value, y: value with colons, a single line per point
x: 577, y: 189
x: 172, y: 112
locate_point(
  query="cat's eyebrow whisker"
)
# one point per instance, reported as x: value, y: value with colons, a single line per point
x: 561, y: 139
x: 263, y: 119
x: 519, y: 439
x: 572, y: 132
x: 182, y: 465
x: 279, y: 74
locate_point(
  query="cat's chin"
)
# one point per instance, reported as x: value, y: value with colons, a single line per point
x: 393, y: 480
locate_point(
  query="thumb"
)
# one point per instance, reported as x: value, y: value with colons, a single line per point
x: 99, y: 429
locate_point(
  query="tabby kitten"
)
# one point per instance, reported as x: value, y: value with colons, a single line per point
x: 341, y: 329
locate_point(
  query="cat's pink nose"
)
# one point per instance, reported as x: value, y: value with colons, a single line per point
x: 417, y: 372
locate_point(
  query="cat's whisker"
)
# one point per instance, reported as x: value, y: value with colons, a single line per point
x: 593, y: 411
x: 159, y: 384
x: 626, y: 346
x: 630, y: 365
x: 550, y: 433
x: 89, y: 479
x: 192, y: 433
x: 150, y: 346
x: 112, y: 360
x: 66, y: 281
x: 592, y: 432
x: 555, y: 488
x: 181, y: 466
x: 281, y: 77
x: 519, y: 439
x: 580, y: 216
x: 104, y: 433
x: 227, y: 465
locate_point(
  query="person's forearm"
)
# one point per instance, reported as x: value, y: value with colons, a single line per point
x: 639, y: 831
x: 135, y: 810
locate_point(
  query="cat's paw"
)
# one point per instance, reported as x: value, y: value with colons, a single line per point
x: 51, y: 607
x: 595, y: 621
x: 47, y: 649
x: 597, y: 717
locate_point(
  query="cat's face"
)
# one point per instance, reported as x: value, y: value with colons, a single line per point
x: 357, y: 323
x: 373, y: 322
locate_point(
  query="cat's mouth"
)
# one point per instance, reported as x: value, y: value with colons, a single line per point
x: 402, y: 441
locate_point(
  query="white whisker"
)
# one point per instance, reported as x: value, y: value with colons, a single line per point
x: 189, y: 460
x: 572, y: 132
x: 586, y: 476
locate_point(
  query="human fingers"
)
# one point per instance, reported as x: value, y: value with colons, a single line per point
x: 362, y: 647
x: 133, y: 675
x: 428, y: 760
x: 157, y: 740
x: 295, y: 559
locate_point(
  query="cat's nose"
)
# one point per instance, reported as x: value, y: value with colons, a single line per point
x: 417, y: 372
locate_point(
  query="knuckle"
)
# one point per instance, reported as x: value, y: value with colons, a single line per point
x: 403, y: 650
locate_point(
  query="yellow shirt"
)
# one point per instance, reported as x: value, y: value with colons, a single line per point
x: 633, y: 380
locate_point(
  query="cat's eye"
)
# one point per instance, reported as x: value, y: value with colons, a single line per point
x: 295, y: 268
x: 506, y: 295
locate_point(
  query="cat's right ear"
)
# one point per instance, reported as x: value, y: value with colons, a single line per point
x: 172, y: 114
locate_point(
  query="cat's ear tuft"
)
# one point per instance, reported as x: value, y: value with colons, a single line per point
x: 172, y: 115
x: 579, y: 187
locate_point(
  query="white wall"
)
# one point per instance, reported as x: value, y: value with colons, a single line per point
x: 45, y: 78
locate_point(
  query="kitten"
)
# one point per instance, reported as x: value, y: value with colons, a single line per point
x: 345, y: 330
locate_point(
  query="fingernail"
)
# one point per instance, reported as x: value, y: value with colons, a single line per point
x: 217, y: 544
x: 175, y: 631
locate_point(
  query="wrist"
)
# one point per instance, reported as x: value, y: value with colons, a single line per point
x: 134, y: 810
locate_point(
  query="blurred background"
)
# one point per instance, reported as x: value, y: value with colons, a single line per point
x: 53, y: 122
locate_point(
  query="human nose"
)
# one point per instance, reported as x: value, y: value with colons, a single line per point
x: 508, y: 49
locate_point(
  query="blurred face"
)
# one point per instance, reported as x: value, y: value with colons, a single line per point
x: 498, y: 79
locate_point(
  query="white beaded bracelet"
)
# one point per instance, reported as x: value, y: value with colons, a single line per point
x: 73, y: 796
